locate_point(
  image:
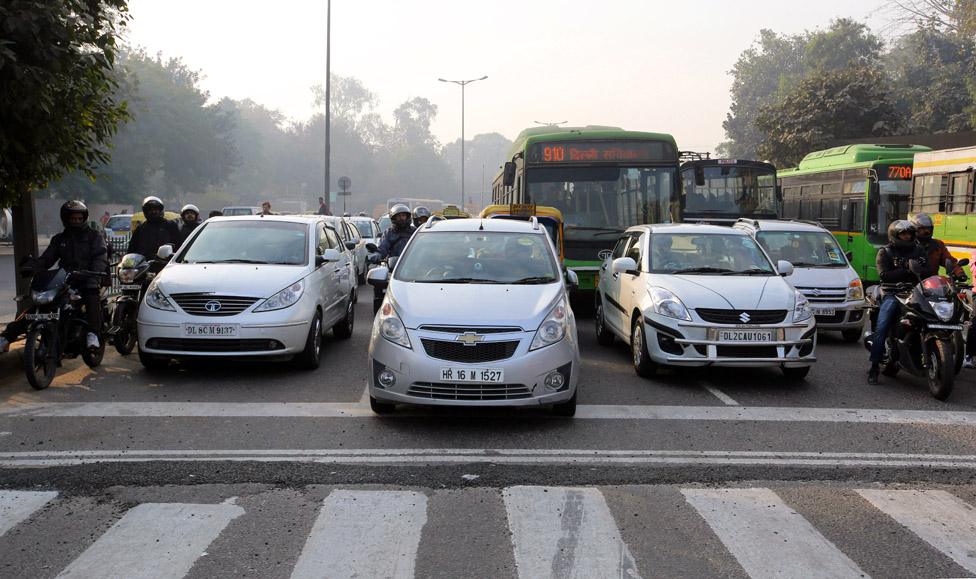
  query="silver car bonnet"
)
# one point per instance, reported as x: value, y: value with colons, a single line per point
x: 465, y: 304
x: 741, y: 292
x: 823, y: 277
x: 237, y: 279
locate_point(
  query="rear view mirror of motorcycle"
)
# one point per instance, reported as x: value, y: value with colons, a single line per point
x: 371, y: 247
x: 963, y: 262
x: 165, y: 252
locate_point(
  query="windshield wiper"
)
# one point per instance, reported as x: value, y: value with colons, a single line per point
x: 539, y: 279
x: 751, y: 271
x: 702, y: 270
x: 233, y: 261
x: 458, y: 280
x: 809, y: 264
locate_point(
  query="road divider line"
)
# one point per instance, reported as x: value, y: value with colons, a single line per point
x: 364, y: 534
x: 767, y: 537
x: 565, y: 532
x: 725, y: 398
x: 939, y: 518
x: 17, y: 506
x: 154, y: 540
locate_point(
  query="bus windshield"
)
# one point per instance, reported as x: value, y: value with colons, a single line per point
x: 730, y: 191
x: 889, y: 204
x: 597, y: 202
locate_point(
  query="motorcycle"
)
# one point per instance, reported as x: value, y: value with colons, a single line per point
x: 58, y: 328
x: 134, y: 273
x: 925, y: 340
x: 379, y: 292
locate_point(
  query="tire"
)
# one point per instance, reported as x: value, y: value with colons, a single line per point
x: 851, y: 336
x: 93, y: 358
x: 40, y: 363
x: 124, y: 341
x: 960, y: 346
x: 343, y: 329
x: 567, y: 408
x: 942, y: 369
x: 361, y: 278
x: 796, y: 373
x: 604, y: 336
x: 309, y: 358
x: 381, y: 407
x: 643, y: 365
x: 152, y: 363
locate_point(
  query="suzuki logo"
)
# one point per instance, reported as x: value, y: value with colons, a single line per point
x: 470, y: 338
x: 605, y: 254
x: 212, y: 306
x: 815, y: 292
x: 744, y: 317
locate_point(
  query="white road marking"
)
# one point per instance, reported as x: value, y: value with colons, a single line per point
x: 583, y: 412
x: 16, y: 506
x: 154, y: 540
x: 565, y: 532
x: 725, y: 398
x: 937, y: 517
x: 767, y: 537
x: 364, y: 534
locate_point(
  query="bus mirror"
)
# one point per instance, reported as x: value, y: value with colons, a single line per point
x: 850, y: 256
x: 508, y: 174
x: 699, y: 176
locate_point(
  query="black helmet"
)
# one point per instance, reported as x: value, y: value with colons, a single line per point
x: 400, y: 209
x: 420, y: 214
x: 923, y: 221
x: 73, y: 206
x: 897, y: 228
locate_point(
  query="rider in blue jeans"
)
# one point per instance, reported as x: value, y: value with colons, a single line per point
x: 897, y: 263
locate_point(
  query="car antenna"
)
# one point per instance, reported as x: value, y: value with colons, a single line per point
x: 481, y: 226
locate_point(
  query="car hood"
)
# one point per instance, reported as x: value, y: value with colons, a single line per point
x: 729, y: 292
x: 236, y: 279
x: 448, y: 304
x: 822, y: 277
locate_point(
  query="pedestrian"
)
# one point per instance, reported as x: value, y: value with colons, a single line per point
x: 105, y: 217
x: 266, y: 208
x: 323, y: 208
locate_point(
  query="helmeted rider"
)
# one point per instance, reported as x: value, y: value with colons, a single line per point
x: 189, y: 220
x: 420, y: 215
x: 396, y: 237
x: 901, y: 261
x: 155, y: 232
x: 936, y: 251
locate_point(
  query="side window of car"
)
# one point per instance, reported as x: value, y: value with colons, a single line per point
x: 353, y: 232
x: 618, y: 250
x: 634, y: 252
x: 323, y: 240
x: 333, y: 239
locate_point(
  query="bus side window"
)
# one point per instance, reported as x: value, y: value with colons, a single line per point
x: 960, y: 194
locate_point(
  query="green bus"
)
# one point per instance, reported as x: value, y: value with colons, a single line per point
x: 720, y: 191
x: 602, y: 179
x: 942, y: 186
x: 855, y: 191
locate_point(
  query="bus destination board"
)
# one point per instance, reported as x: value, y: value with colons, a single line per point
x: 896, y: 173
x: 601, y: 152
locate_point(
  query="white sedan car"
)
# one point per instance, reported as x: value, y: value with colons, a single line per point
x: 702, y: 295
x: 250, y: 286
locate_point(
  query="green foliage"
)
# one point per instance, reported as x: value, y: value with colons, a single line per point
x: 58, y: 103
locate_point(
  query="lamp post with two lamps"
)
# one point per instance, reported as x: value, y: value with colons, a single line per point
x: 462, y: 84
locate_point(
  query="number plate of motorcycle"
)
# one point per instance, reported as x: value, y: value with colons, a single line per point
x: 743, y: 335
x: 135, y: 287
x: 50, y: 316
x: 478, y: 375
x: 211, y: 330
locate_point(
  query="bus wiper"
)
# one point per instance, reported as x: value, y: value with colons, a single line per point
x: 539, y: 279
x: 702, y: 270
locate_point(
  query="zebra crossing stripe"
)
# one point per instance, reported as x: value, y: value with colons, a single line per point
x: 940, y: 519
x: 565, y: 532
x: 15, y: 506
x: 767, y: 537
x: 154, y: 540
x: 364, y: 534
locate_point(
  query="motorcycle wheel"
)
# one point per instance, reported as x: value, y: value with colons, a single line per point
x: 40, y: 359
x: 941, y: 370
x: 124, y: 341
x: 94, y: 357
x: 960, y: 346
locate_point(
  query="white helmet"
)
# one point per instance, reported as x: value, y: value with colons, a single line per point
x: 190, y: 207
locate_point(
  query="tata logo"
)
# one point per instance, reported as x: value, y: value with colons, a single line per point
x: 605, y: 254
x: 744, y: 317
x: 470, y: 338
x: 212, y: 306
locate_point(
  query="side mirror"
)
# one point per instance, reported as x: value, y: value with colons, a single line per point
x: 699, y: 176
x: 392, y: 260
x: 378, y: 277
x: 784, y: 267
x: 350, y: 245
x: 624, y: 265
x: 963, y: 262
x: 371, y: 247
x: 572, y: 280
x: 849, y: 255
x: 165, y: 252
x: 508, y: 174
x: 328, y: 256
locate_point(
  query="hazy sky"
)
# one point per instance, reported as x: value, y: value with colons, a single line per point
x: 655, y: 65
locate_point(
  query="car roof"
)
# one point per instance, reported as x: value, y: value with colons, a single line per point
x: 780, y: 225
x: 685, y: 228
x: 478, y: 224
x: 285, y: 218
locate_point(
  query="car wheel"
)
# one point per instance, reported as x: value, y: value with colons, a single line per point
x: 643, y: 365
x: 604, y: 336
x: 381, y: 407
x: 152, y: 363
x: 309, y: 358
x: 343, y: 329
x: 567, y: 408
x: 796, y: 373
x: 851, y: 336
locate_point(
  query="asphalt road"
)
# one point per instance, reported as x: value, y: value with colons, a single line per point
x: 8, y: 288
x: 266, y: 470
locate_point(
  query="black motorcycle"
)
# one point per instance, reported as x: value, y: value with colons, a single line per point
x: 58, y: 328
x: 925, y: 339
x: 379, y: 290
x: 134, y: 273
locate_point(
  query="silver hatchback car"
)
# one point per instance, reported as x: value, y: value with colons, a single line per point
x: 476, y: 314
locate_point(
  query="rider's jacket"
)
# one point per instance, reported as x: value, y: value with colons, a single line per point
x: 151, y: 235
x: 77, y: 249
x: 893, y: 265
x: 394, y: 241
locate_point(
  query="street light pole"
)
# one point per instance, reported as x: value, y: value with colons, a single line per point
x: 328, y: 95
x: 462, y: 84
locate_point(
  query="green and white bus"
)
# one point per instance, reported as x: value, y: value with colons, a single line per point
x: 855, y: 191
x: 943, y: 188
x: 602, y: 179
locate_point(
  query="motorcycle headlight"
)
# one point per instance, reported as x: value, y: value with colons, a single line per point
x: 802, y: 311
x: 667, y: 304
x: 283, y: 299
x: 944, y: 310
x: 45, y: 297
x: 553, y: 328
x: 156, y: 299
x: 128, y: 275
x: 855, y: 291
x: 388, y: 324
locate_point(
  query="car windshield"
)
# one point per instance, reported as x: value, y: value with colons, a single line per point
x: 250, y: 241
x: 385, y: 223
x: 707, y: 254
x: 365, y: 228
x: 232, y: 211
x: 803, y: 248
x: 478, y: 257
x: 119, y: 222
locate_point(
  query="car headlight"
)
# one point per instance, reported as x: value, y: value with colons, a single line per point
x: 665, y: 303
x: 944, y: 310
x: 553, y: 328
x: 155, y: 298
x: 283, y: 299
x: 127, y: 275
x: 802, y: 311
x: 855, y: 291
x: 388, y: 324
x: 44, y: 297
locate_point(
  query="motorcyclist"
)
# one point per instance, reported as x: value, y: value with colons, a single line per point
x: 936, y: 251
x: 396, y: 237
x: 189, y: 220
x: 155, y: 232
x: 420, y: 215
x: 901, y: 261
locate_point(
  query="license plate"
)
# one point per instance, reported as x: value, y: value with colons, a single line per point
x: 135, y: 287
x: 824, y: 311
x: 484, y: 375
x: 744, y: 335
x: 49, y: 316
x: 210, y: 330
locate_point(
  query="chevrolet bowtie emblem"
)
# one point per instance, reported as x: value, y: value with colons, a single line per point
x: 469, y: 338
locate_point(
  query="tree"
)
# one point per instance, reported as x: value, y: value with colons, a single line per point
x: 824, y: 108
x: 58, y: 107
x: 952, y: 16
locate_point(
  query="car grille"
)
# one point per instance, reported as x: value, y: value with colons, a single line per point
x: 716, y: 316
x: 746, y: 352
x: 462, y: 329
x: 824, y: 295
x: 837, y: 318
x: 213, y: 345
x: 195, y: 304
x: 458, y: 352
x: 444, y: 391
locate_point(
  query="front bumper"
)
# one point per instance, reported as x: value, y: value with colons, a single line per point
x: 847, y: 315
x: 418, y: 374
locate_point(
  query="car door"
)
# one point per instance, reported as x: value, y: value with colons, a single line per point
x: 613, y: 312
x: 328, y: 277
x: 632, y: 284
x: 359, y: 252
x: 338, y: 273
